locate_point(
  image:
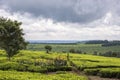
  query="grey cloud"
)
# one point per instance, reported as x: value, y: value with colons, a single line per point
x: 80, y: 11
x: 36, y: 28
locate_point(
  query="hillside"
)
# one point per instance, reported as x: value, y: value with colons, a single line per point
x: 29, y: 65
x: 79, y: 48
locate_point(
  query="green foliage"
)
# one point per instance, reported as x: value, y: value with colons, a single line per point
x: 37, y: 69
x: 79, y: 48
x: 110, y: 72
x: 96, y: 65
x: 48, y: 48
x: 34, y: 61
x: 11, y: 36
x: 8, y: 65
x: 40, y: 62
x: 13, y: 66
x: 111, y: 43
x: 111, y: 54
x: 72, y: 50
x: 13, y: 75
x: 60, y: 62
x: 91, y: 71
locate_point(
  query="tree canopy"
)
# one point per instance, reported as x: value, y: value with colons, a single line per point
x: 11, y: 36
x: 48, y: 48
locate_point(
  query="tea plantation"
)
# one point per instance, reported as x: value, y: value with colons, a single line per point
x: 83, y: 48
x: 38, y: 65
x: 14, y: 75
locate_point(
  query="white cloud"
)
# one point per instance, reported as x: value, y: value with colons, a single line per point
x: 46, y: 29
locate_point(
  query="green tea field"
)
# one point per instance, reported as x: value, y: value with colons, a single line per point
x: 39, y: 65
x: 84, y: 48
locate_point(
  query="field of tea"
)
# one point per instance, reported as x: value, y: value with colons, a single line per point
x: 35, y: 65
x: 84, y: 48
x: 15, y: 75
x: 97, y: 65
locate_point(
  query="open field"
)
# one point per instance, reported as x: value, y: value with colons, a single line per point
x: 30, y: 65
x: 84, y: 48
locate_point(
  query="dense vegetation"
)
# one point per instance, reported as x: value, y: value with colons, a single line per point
x: 104, y: 43
x: 14, y: 75
x: 111, y: 43
x: 97, y: 42
x: 40, y: 62
x: 97, y: 65
x: 11, y: 35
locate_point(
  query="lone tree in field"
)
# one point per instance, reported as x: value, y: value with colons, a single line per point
x: 48, y: 48
x: 11, y: 37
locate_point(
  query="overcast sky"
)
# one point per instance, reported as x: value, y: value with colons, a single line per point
x: 65, y: 19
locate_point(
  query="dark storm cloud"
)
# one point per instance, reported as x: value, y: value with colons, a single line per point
x: 80, y: 11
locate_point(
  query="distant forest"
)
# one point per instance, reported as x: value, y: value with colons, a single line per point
x: 104, y: 43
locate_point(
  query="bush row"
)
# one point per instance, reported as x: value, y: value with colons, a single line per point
x: 106, y: 73
x: 102, y: 71
x: 32, y: 68
x: 110, y: 73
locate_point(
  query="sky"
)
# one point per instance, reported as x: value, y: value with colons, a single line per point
x: 65, y: 19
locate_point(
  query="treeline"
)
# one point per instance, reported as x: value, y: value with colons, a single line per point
x: 97, y: 42
x: 111, y: 43
x: 108, y: 54
x: 111, y: 54
x: 104, y: 43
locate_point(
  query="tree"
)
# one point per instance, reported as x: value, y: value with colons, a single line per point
x: 48, y: 48
x: 11, y: 36
x: 72, y: 50
x: 68, y: 57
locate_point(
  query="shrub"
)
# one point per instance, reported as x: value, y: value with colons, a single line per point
x: 91, y: 71
x: 51, y: 69
x: 65, y: 68
x: 25, y: 61
x: 84, y: 53
x: 61, y: 68
x: 95, y: 53
x: 13, y: 66
x: 37, y: 69
x: 60, y: 62
x: 72, y: 50
x: 22, y: 67
x: 61, y: 72
x: 110, y: 73
x: 79, y: 51
x: 8, y: 66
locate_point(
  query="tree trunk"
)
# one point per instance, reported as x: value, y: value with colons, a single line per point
x: 68, y: 57
x: 47, y: 51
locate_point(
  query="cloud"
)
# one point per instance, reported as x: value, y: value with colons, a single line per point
x: 65, y: 19
x: 44, y: 28
x: 76, y: 11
